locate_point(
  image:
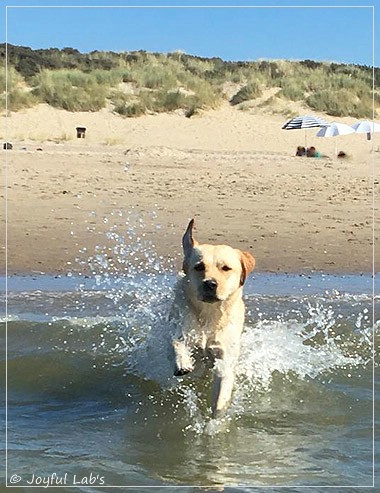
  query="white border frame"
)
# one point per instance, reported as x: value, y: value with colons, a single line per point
x: 372, y: 7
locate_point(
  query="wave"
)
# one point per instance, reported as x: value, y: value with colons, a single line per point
x: 112, y: 356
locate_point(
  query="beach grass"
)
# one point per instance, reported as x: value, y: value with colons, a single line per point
x: 19, y: 95
x: 160, y: 82
x: 246, y: 93
x: 71, y: 90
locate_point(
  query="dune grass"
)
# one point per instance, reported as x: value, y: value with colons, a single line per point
x: 251, y: 91
x: 71, y: 90
x: 166, y: 82
x: 19, y: 95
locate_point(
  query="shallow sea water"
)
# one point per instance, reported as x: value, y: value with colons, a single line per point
x: 92, y: 400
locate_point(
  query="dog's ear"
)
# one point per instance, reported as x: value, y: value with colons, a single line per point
x: 248, y: 263
x: 188, y: 243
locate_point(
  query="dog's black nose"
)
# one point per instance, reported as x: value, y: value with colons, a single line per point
x: 210, y: 285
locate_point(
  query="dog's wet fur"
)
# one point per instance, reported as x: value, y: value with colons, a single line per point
x: 208, y: 311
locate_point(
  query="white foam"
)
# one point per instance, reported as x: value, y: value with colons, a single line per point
x: 273, y: 346
x: 9, y: 318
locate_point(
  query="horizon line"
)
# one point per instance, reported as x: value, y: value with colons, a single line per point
x: 181, y: 52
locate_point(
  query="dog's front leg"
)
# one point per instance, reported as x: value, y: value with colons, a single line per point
x: 225, y: 360
x: 183, y: 360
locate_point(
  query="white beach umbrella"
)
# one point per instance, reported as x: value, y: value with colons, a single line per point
x: 366, y: 127
x: 304, y: 122
x: 333, y: 130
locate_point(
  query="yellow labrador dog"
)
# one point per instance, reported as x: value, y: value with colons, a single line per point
x: 208, y: 311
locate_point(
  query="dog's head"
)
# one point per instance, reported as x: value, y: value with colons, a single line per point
x: 215, y: 272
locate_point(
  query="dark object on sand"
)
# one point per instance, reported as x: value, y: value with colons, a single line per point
x: 342, y: 155
x: 190, y: 112
x: 301, y: 151
x: 81, y: 132
x: 7, y: 146
x: 312, y: 152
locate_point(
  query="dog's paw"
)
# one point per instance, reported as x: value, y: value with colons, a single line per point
x: 215, y: 351
x: 218, y: 413
x: 179, y: 372
x: 184, y: 362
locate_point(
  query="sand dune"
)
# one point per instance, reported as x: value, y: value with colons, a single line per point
x: 234, y: 170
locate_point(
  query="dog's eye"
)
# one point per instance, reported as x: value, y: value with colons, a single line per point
x: 199, y: 267
x: 226, y: 268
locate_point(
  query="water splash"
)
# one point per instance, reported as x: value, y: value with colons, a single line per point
x: 298, y: 338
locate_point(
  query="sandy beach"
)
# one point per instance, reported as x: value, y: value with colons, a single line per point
x: 234, y: 171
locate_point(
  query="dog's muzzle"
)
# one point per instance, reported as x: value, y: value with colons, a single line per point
x: 209, y: 288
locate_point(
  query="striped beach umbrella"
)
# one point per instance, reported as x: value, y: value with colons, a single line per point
x: 304, y: 122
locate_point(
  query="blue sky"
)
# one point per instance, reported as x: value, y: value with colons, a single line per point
x: 330, y: 33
